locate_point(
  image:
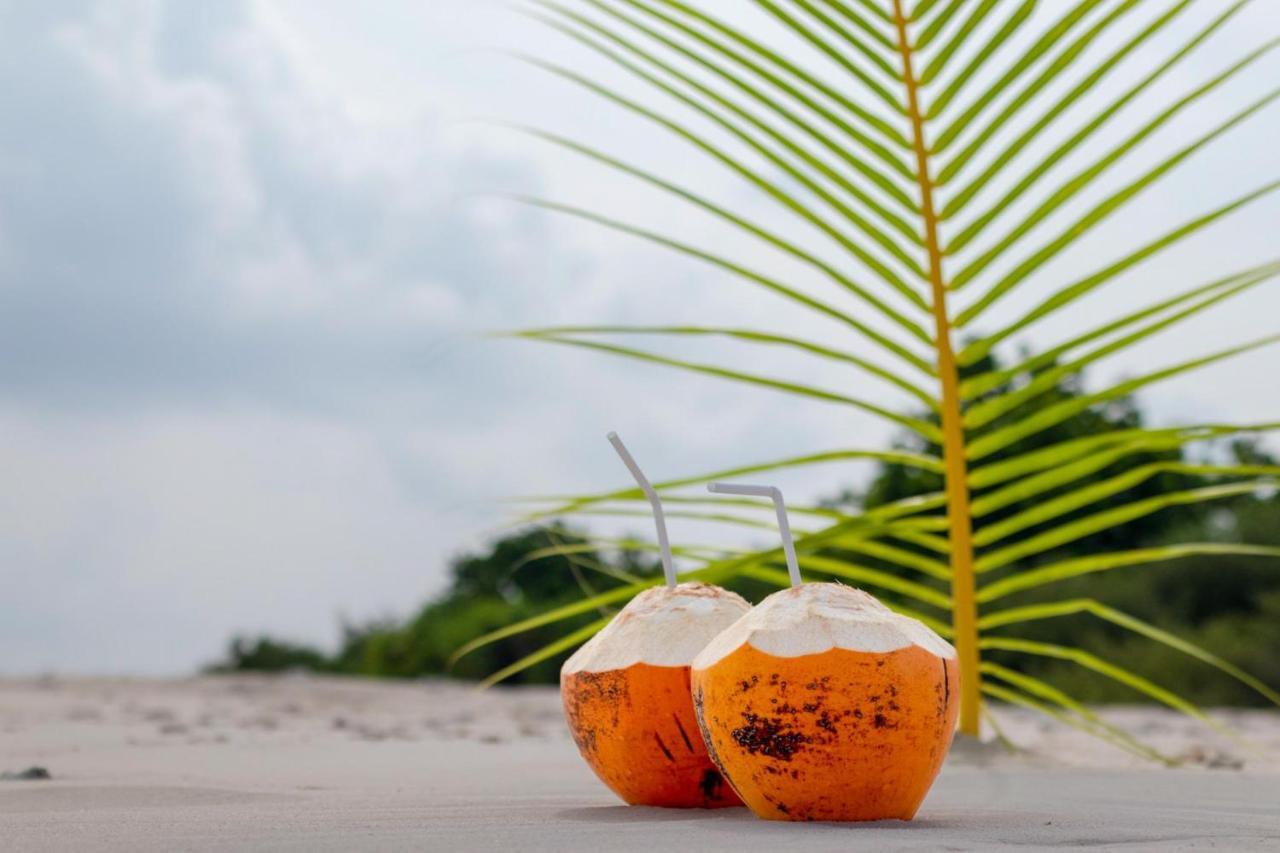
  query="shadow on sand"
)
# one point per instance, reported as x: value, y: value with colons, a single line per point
x: 646, y: 814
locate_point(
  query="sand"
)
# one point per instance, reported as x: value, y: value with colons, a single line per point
x: 299, y: 763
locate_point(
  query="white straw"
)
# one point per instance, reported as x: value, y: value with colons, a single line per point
x: 659, y: 518
x: 774, y: 493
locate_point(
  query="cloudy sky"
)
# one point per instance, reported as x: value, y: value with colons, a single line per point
x: 248, y: 252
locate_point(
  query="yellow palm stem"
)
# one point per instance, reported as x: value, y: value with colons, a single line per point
x: 964, y: 614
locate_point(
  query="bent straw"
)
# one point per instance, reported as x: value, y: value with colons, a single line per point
x: 779, y: 506
x: 659, y: 518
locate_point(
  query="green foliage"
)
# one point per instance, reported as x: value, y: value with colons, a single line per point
x: 514, y: 580
x: 264, y: 654
x: 485, y: 593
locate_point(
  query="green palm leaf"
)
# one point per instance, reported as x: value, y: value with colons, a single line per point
x: 1027, y: 95
x: 1054, y: 572
x: 790, y: 69
x: 1078, y: 289
x: 1016, y: 70
x: 769, y: 237
x: 1106, y: 519
x: 875, y: 578
x: 915, y: 460
x: 749, y: 335
x: 845, y: 13
x: 940, y: 59
x: 965, y: 195
x: 1127, y: 441
x: 1057, y: 413
x: 703, y: 97
x: 1023, y: 615
x: 986, y: 411
x: 1111, y: 734
x: 1086, y: 495
x: 711, y: 574
x: 550, y: 650
x: 704, y: 554
x: 987, y: 50
x: 893, y: 554
x: 781, y: 579
x: 1067, y: 471
x: 773, y: 190
x: 1104, y: 668
x: 936, y: 25
x: 1092, y: 722
x: 889, y: 74
x: 1232, y: 285
x: 924, y: 428
x: 754, y: 93
x: 768, y: 283
x: 1104, y: 209
x: 915, y: 114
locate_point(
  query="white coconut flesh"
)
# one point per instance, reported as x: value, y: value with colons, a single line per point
x: 816, y: 617
x: 663, y: 626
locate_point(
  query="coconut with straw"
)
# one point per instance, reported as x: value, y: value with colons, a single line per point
x: 626, y: 691
x: 823, y: 704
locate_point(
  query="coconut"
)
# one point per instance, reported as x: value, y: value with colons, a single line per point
x: 823, y: 704
x: 628, y: 703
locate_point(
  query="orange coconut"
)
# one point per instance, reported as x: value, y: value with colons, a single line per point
x: 823, y: 704
x: 627, y: 699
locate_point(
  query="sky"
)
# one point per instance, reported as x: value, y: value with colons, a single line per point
x: 250, y: 253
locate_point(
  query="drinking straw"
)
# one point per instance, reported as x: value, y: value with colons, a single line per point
x: 779, y: 506
x: 659, y: 518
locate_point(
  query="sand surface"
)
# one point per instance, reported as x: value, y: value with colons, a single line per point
x: 312, y: 764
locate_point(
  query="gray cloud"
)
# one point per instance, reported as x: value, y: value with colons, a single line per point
x: 240, y: 269
x: 182, y: 222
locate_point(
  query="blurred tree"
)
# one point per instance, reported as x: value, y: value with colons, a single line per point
x: 1228, y: 604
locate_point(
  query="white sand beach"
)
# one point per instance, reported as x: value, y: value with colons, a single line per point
x: 311, y: 764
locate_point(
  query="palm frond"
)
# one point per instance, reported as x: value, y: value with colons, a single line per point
x: 914, y: 460
x: 1027, y: 94
x: 1078, y: 289
x: 1108, y: 518
x: 1052, y: 610
x: 1081, y: 181
x: 918, y: 115
x: 748, y: 335
x: 963, y: 196
x: 1060, y: 571
x: 1027, y: 699
x: 847, y: 570
x: 1226, y: 288
x: 1124, y: 442
x: 568, y: 641
x: 923, y: 428
x: 1102, y: 667
x: 880, y: 150
x: 987, y: 50
x: 1091, y: 722
x: 1055, y: 414
x: 767, y: 282
x: 1052, y: 36
x: 889, y: 75
x: 772, y: 190
x: 774, y: 60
